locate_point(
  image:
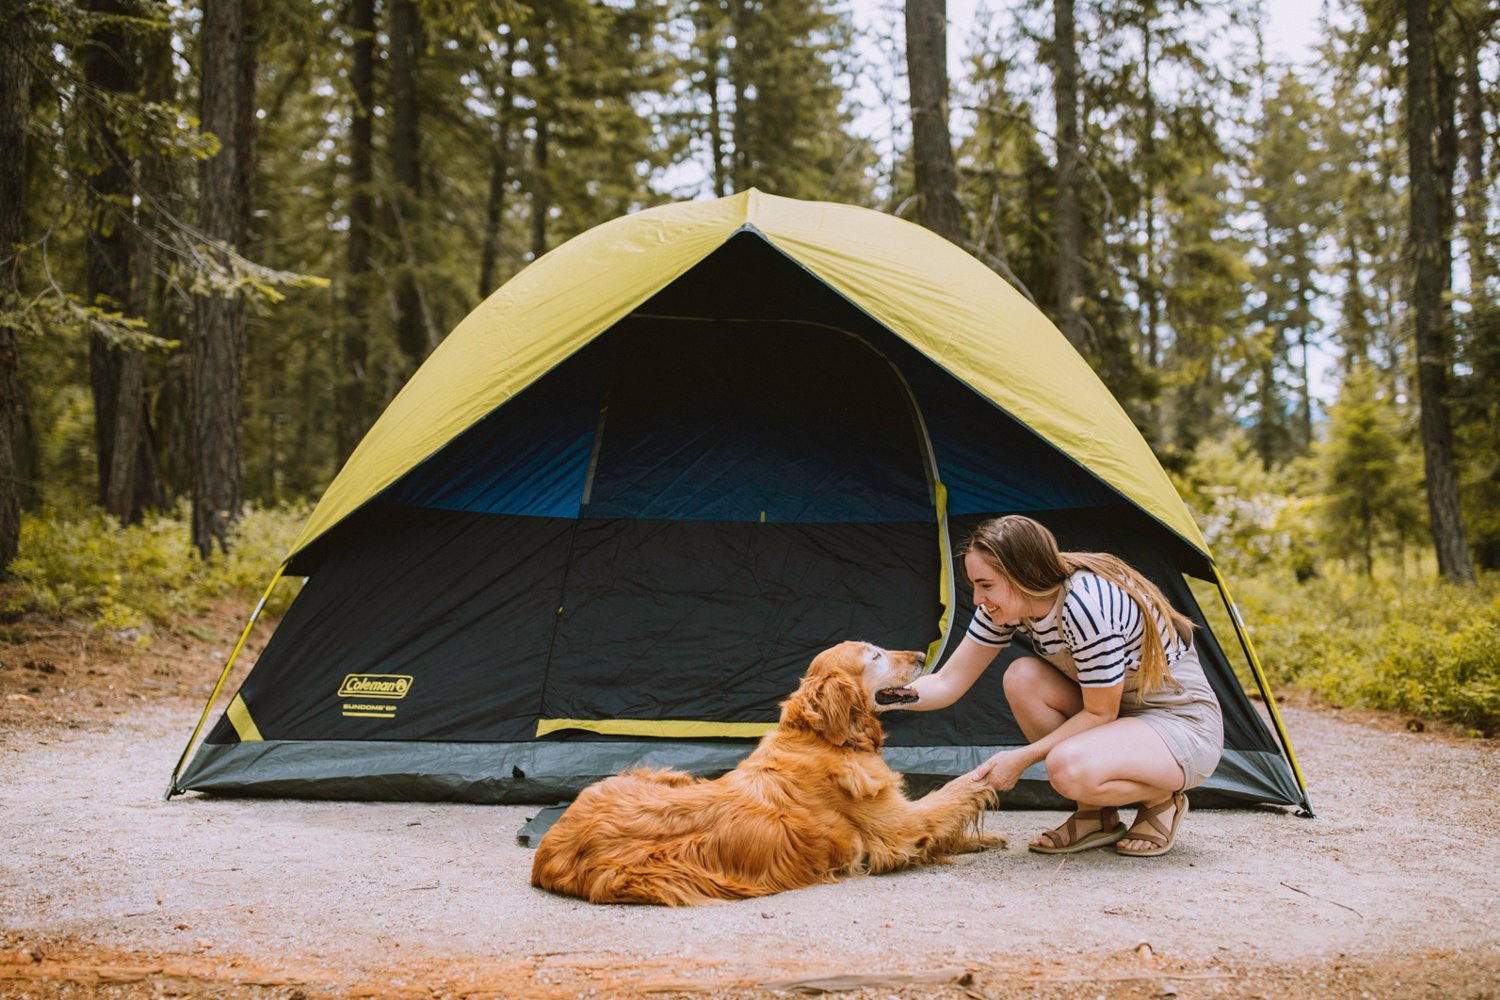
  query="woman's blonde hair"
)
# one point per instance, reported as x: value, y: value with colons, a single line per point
x: 1026, y: 553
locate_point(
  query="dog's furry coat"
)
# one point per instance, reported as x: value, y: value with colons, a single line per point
x: 813, y: 801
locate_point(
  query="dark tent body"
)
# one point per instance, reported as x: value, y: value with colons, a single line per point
x: 633, y: 559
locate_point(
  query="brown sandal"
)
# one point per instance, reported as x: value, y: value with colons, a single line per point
x: 1161, y: 836
x: 1104, y: 836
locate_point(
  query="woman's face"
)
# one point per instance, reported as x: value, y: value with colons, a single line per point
x: 993, y: 590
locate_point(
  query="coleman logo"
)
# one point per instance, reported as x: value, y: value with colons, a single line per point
x: 375, y: 686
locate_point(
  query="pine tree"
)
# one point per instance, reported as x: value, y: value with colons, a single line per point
x: 15, y: 85
x: 789, y: 128
x: 1290, y: 191
x: 932, y: 145
x: 225, y: 206
x: 1425, y: 242
x: 1372, y: 500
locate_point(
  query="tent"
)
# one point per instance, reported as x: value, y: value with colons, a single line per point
x: 614, y: 515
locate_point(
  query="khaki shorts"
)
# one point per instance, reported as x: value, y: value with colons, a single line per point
x: 1186, y: 717
x: 1195, y: 744
x: 1188, y: 721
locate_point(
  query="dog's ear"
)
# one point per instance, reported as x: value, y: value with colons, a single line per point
x: 835, y: 706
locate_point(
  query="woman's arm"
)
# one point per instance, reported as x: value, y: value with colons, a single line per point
x: 1100, y: 705
x: 941, y: 689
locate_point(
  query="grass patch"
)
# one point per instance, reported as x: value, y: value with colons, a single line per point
x: 125, y: 579
x: 1415, y: 645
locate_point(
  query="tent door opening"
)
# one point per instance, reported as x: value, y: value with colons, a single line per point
x: 759, y: 490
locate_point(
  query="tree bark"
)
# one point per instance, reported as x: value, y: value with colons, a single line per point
x: 353, y: 418
x: 932, y: 146
x: 711, y: 28
x: 1445, y: 163
x: 15, y: 85
x: 494, y: 209
x: 739, y: 114
x: 1066, y: 215
x: 1150, y: 290
x: 1476, y: 186
x: 108, y: 62
x: 225, y: 200
x: 1425, y: 249
x: 541, y: 202
x: 406, y: 149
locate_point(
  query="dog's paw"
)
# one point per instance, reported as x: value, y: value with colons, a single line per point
x: 990, y: 841
x: 979, y: 793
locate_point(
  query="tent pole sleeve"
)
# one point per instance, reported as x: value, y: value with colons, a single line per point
x: 946, y: 579
x: 1263, y: 684
x: 938, y: 493
x: 172, y: 789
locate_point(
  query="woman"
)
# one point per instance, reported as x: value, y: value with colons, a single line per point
x: 1121, y: 712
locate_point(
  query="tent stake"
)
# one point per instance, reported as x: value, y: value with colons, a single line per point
x: 1264, y: 684
x: 172, y: 789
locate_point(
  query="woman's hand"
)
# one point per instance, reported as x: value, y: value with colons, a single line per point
x: 1001, y: 771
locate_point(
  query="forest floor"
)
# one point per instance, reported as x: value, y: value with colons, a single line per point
x: 106, y: 890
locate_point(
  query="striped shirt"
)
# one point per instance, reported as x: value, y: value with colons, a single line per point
x: 1100, y: 625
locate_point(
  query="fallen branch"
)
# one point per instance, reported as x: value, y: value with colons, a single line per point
x: 838, y: 983
x: 1322, y: 900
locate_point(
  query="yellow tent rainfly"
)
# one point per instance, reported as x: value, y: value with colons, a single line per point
x: 617, y: 511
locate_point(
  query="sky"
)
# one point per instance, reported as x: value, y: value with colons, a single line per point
x: 1291, y: 31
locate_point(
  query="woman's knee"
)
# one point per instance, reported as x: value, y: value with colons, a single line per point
x: 1025, y: 679
x: 1072, y: 772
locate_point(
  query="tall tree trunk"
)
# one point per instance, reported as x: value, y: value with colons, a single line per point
x: 1427, y: 298
x: 1066, y: 214
x: 541, y: 201
x: 711, y: 27
x: 494, y: 209
x: 162, y: 183
x: 1149, y: 290
x: 134, y: 482
x: 1150, y: 281
x: 1445, y: 163
x: 15, y: 85
x: 225, y: 200
x: 1304, y: 398
x: 353, y: 418
x: 107, y: 60
x: 739, y: 115
x: 406, y: 147
x: 932, y: 146
x: 1477, y: 183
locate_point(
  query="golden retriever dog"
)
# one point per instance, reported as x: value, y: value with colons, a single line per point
x: 813, y: 801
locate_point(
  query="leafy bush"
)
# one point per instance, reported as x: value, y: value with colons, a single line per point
x: 1251, y: 518
x: 125, y: 579
x: 1413, y: 645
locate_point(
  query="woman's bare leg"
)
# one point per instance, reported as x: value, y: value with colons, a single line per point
x: 1118, y: 763
x: 1042, y: 698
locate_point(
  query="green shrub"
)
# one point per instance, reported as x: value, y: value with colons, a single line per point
x: 1251, y: 518
x: 1415, y: 645
x: 126, y: 579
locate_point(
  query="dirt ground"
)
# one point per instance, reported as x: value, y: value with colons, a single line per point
x: 106, y: 890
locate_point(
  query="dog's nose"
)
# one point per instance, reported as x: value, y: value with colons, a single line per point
x: 921, y: 659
